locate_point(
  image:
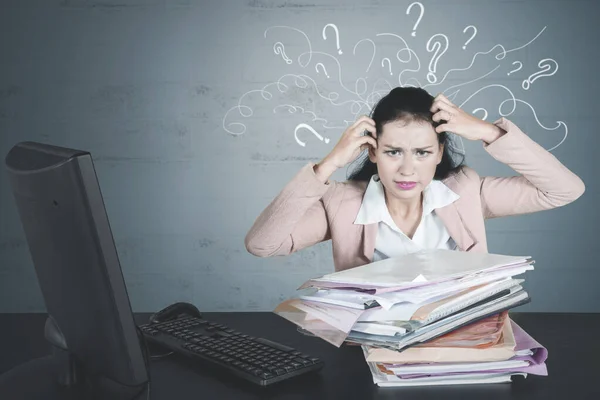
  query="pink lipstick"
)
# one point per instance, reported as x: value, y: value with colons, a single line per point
x: 405, y: 185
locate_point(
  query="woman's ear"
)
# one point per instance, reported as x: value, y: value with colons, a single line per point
x: 372, y: 154
x: 441, y: 153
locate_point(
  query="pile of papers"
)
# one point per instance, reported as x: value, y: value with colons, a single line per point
x: 434, y: 317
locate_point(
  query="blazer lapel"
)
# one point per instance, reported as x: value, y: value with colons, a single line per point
x: 456, y: 226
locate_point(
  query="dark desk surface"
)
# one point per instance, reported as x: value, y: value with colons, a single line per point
x: 572, y: 340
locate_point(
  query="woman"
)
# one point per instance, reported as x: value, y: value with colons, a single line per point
x: 411, y: 193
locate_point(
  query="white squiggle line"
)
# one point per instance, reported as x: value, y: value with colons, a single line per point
x: 474, y: 80
x: 515, y: 100
x: 526, y: 44
x: 452, y: 95
x: 371, y: 103
x: 292, y: 109
x: 462, y: 69
x: 246, y: 111
x: 503, y: 53
x: 339, y: 72
x: 374, y: 51
x: 356, y: 85
x: 410, y: 52
x: 241, y: 107
x: 485, y: 87
x: 485, y: 113
x: 495, y: 85
x: 398, y: 37
x: 559, y: 123
x: 233, y: 123
x: 297, y: 30
x: 409, y: 70
x: 302, y: 76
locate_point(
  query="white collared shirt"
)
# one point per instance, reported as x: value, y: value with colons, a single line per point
x: 391, y: 241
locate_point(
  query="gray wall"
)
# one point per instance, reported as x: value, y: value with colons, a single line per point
x: 146, y: 86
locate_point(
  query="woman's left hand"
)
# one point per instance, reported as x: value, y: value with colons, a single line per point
x: 461, y: 122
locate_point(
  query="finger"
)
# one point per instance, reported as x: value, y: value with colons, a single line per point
x: 443, y: 128
x: 367, y: 140
x: 443, y: 98
x: 362, y: 119
x: 365, y: 126
x: 441, y: 105
x: 442, y: 115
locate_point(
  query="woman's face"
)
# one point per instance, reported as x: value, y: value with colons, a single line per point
x: 406, y: 152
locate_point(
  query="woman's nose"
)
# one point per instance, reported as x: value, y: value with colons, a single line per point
x: 407, y: 168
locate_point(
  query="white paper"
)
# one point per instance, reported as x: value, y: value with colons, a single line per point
x: 346, y: 298
x: 457, y: 367
x: 422, y: 294
x: 433, y: 264
x: 377, y: 329
x: 398, y: 312
x: 339, y: 317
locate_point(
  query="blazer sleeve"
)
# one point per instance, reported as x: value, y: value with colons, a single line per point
x: 295, y: 219
x: 544, y: 182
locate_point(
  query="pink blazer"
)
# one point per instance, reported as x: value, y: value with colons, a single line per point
x: 308, y: 211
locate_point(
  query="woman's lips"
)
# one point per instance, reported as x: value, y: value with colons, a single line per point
x: 406, y: 185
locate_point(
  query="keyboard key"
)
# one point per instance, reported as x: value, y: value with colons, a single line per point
x: 267, y: 375
x: 302, y: 361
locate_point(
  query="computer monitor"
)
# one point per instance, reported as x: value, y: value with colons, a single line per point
x: 90, y: 322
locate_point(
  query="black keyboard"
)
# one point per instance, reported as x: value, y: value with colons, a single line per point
x: 257, y: 360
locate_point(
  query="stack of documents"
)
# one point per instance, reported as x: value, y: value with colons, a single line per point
x: 428, y: 318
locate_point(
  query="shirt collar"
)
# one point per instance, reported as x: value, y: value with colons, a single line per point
x: 373, y: 208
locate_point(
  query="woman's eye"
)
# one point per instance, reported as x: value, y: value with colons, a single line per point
x: 421, y: 153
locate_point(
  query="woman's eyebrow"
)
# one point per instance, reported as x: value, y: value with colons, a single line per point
x: 400, y: 148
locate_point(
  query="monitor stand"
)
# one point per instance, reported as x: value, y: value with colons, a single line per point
x: 70, y: 374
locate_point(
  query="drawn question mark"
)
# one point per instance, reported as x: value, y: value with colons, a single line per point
x: 545, y: 68
x: 310, y: 128
x: 278, y: 48
x: 337, y: 36
x: 389, y: 64
x: 518, y: 69
x: 414, y: 32
x: 324, y: 70
x: 372, y: 55
x: 471, y: 38
x: 436, y: 56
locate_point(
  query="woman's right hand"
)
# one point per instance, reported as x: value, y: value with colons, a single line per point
x: 353, y: 142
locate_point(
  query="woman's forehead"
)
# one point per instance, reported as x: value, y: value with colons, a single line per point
x: 415, y: 134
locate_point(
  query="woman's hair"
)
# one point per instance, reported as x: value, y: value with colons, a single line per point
x: 409, y: 104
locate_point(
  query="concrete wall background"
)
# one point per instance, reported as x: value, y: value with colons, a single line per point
x: 146, y: 87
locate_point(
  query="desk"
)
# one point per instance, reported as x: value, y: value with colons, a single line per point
x: 573, y: 342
